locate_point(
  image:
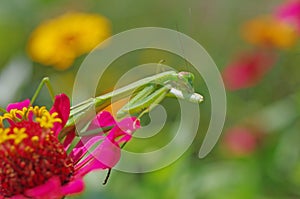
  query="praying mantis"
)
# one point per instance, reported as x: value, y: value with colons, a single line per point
x: 146, y: 94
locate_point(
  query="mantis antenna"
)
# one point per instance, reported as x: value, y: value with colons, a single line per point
x: 181, y: 48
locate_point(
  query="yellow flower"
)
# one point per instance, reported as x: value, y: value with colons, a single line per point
x: 269, y: 32
x: 59, y: 41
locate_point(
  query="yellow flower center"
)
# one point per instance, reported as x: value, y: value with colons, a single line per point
x: 39, y: 114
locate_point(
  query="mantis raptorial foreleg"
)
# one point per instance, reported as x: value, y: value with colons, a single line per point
x: 140, y: 96
x: 144, y: 101
x: 192, y: 97
x: 158, y: 98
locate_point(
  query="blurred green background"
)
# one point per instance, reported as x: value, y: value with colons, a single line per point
x: 271, y: 109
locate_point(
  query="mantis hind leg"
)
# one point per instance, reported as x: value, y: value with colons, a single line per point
x: 45, y: 81
x: 2, y: 110
x: 138, y: 98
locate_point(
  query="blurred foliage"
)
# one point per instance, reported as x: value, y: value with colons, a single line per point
x: 271, y: 170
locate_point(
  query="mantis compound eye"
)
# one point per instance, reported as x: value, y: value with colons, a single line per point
x: 186, y: 76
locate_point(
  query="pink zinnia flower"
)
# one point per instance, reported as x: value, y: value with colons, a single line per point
x: 241, y: 140
x: 247, y: 70
x: 290, y: 12
x: 34, y: 164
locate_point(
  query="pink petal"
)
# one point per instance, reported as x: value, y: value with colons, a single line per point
x: 49, y: 190
x: 73, y: 187
x: 130, y: 124
x: 116, y: 133
x: 124, y: 128
x: 68, y: 140
x: 106, y: 155
x: 62, y: 107
x: 18, y: 105
x: 16, y: 197
x: 103, y: 119
x: 83, y: 146
x: 52, y: 189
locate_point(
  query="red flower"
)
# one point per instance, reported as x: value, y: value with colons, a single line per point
x: 247, y: 70
x: 34, y: 164
x: 241, y: 141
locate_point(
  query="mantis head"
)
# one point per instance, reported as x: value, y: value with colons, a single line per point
x: 186, y: 77
x: 182, y: 87
x: 187, y: 80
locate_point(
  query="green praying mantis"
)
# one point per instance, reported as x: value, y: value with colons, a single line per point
x: 145, y: 95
